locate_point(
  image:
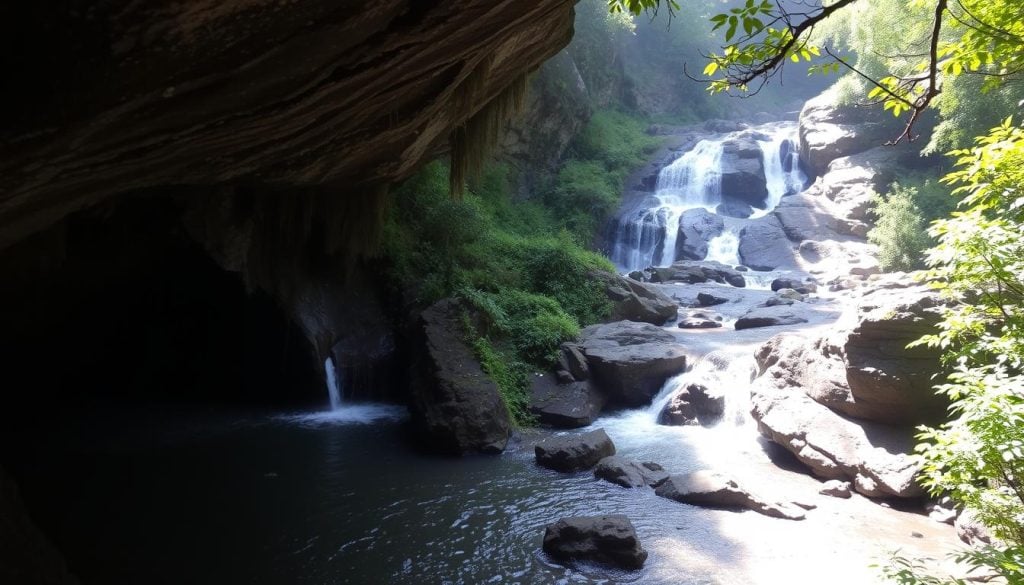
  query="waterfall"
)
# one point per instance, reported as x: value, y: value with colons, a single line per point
x: 333, y: 384
x: 727, y: 372
x: 782, y: 172
x: 725, y: 248
x: 647, y: 237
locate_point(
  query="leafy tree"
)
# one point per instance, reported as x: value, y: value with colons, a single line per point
x: 900, y: 230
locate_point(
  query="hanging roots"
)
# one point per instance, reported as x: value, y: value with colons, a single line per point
x: 473, y: 142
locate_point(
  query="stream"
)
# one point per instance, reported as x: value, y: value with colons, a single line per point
x: 158, y: 495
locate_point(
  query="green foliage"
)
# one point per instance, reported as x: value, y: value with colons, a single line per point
x: 899, y: 231
x: 589, y: 184
x: 526, y: 279
x: 978, y: 458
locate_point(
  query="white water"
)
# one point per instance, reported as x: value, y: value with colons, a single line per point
x: 778, y: 180
x: 647, y: 235
x: 725, y: 248
x: 333, y: 385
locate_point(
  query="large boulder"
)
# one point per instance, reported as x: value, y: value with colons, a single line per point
x: 565, y: 406
x: 630, y: 361
x: 743, y: 176
x: 574, y: 452
x: 829, y: 131
x: 610, y: 540
x: 709, y: 488
x: 453, y: 403
x: 629, y: 474
x: 874, y: 457
x: 636, y: 301
x: 697, y: 227
x: 694, y: 404
x: 764, y: 245
x: 695, y: 272
x: 862, y: 367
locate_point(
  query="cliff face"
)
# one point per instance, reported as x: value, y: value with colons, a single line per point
x: 123, y: 96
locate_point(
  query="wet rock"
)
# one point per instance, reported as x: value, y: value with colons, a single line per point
x: 803, y: 287
x: 577, y: 452
x: 694, y: 404
x: 778, y: 301
x: 610, y: 540
x: 764, y: 246
x: 836, y: 489
x: 737, y: 209
x: 452, y: 402
x: 630, y: 361
x: 709, y: 488
x: 622, y: 471
x: 770, y: 317
x: 693, y: 272
x: 636, y: 301
x: 564, y: 406
x: 694, y: 323
x: 708, y: 300
x: 697, y: 227
x: 788, y: 293
x: 742, y: 171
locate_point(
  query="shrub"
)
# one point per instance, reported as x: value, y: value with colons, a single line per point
x: 900, y: 230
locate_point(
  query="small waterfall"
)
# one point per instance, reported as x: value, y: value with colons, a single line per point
x: 647, y: 236
x: 725, y: 248
x: 781, y: 167
x: 333, y: 384
x: 728, y: 372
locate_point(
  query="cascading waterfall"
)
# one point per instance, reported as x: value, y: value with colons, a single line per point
x: 725, y: 248
x: 648, y: 236
x: 781, y: 167
x: 726, y: 372
x: 333, y: 384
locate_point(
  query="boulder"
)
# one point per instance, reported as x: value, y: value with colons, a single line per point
x: 577, y: 452
x: 836, y: 489
x: 564, y: 406
x: 693, y: 272
x: 709, y: 488
x: 862, y: 367
x: 694, y: 404
x: 630, y: 361
x: 708, y: 299
x: 636, y: 301
x: 572, y: 361
x: 452, y: 402
x: 742, y: 170
x: 770, y: 317
x: 803, y: 287
x: 829, y: 131
x: 610, y: 540
x: 737, y: 209
x: 697, y: 227
x: 874, y: 457
x: 764, y: 245
x: 622, y: 471
x: 695, y: 323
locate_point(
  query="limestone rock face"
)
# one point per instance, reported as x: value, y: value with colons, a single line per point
x: 743, y: 176
x: 452, y: 402
x: 764, y: 246
x: 630, y: 361
x: 611, y: 540
x: 380, y: 88
x: 828, y: 131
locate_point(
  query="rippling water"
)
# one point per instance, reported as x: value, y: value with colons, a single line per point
x: 341, y: 498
